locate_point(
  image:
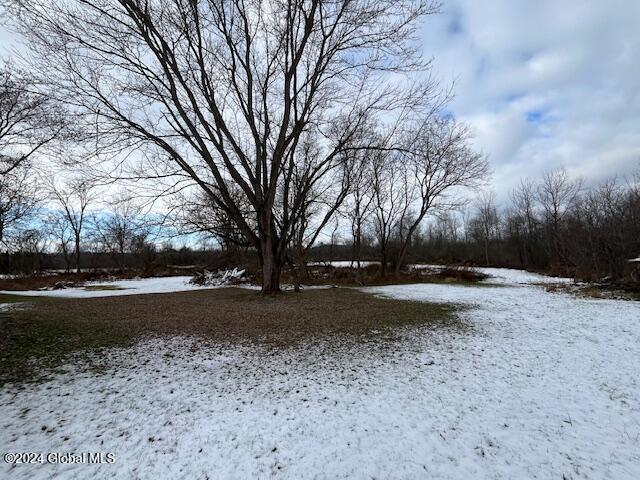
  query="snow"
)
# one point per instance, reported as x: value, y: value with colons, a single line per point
x: 504, y: 276
x: 219, y: 278
x: 342, y: 264
x: 540, y: 385
x: 134, y: 286
x: 140, y: 286
x: 508, y: 276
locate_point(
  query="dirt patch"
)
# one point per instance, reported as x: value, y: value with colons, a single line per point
x: 43, y: 336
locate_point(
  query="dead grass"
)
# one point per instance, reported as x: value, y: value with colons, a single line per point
x: 596, y: 291
x: 45, y: 280
x: 42, y: 281
x: 94, y: 288
x: 370, y: 276
x: 43, y: 337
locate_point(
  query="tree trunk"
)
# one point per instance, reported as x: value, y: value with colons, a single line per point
x: 271, y: 261
x: 294, y: 272
x: 405, y: 244
x: 78, y: 254
x: 356, y: 255
x: 271, y: 269
x: 383, y: 262
x: 301, y: 266
x: 401, y: 254
x: 486, y: 251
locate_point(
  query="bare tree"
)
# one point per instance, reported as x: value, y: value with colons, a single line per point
x: 525, y: 217
x: 442, y: 163
x: 556, y: 193
x: 72, y: 198
x: 359, y: 202
x: 425, y: 176
x: 321, y: 204
x: 18, y: 201
x: 28, y: 121
x: 121, y: 229
x: 58, y: 228
x: 486, y: 221
x: 225, y: 91
x: 392, y: 197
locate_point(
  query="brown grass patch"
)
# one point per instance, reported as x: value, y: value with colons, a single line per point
x: 370, y: 276
x: 611, y: 292
x: 49, y: 280
x: 44, y: 335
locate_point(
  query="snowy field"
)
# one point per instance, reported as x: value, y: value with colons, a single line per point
x: 542, y: 385
x: 342, y: 264
x: 113, y: 288
x: 139, y: 286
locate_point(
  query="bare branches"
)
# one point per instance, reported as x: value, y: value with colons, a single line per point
x: 18, y: 200
x: 73, y: 199
x: 229, y: 90
x: 28, y: 121
x: 426, y: 176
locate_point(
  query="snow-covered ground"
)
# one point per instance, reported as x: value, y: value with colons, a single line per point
x: 342, y: 264
x: 134, y: 286
x: 140, y: 286
x: 541, y: 385
x: 509, y: 276
x: 505, y: 276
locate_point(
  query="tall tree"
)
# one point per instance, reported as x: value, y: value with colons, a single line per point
x: 359, y: 203
x: 524, y: 219
x: 441, y: 162
x: 28, y: 121
x: 557, y: 193
x: 73, y: 199
x: 120, y: 228
x: 18, y: 200
x: 425, y: 175
x: 486, y: 222
x: 226, y: 90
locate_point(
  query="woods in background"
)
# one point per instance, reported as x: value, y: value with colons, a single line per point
x: 289, y: 132
x: 554, y: 225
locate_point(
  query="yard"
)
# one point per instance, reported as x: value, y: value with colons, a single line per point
x: 404, y: 381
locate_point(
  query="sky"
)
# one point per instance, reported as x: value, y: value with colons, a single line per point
x: 543, y: 84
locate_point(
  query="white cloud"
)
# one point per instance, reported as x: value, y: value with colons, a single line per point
x: 544, y: 84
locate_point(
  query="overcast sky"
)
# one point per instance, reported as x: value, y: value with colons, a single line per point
x: 543, y: 83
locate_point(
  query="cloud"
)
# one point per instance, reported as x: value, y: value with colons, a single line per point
x: 544, y: 84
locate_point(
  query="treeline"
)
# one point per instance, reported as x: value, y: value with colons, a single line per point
x: 320, y: 136
x: 559, y: 226
x: 64, y: 225
x: 554, y: 225
x: 156, y: 260
x: 397, y: 196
